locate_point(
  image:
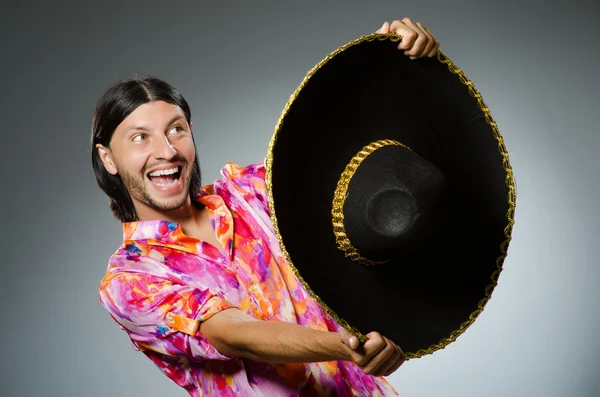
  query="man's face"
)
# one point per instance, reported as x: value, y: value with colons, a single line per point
x: 153, y: 152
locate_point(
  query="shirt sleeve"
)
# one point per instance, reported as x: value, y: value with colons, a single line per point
x: 162, y: 315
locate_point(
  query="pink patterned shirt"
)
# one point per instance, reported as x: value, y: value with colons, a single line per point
x: 161, y: 284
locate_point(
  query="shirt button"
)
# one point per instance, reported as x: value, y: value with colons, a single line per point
x: 170, y: 318
x: 252, y: 287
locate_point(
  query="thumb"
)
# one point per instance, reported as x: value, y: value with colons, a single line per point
x: 385, y: 28
x: 348, y: 339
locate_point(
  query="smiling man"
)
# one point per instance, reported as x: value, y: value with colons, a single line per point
x: 197, y: 284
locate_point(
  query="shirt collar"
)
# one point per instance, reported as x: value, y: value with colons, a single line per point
x: 145, y: 230
x: 220, y: 217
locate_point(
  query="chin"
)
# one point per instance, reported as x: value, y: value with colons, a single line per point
x: 170, y: 204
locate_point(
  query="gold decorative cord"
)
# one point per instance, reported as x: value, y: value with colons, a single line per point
x: 509, y: 181
x: 339, y: 198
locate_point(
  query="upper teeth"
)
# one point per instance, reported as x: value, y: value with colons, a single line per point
x: 164, y: 172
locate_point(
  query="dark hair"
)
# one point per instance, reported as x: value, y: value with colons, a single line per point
x: 114, y: 106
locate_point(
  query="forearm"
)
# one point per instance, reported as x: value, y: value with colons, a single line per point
x: 277, y: 342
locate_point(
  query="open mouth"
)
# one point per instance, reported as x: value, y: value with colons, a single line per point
x: 165, y: 178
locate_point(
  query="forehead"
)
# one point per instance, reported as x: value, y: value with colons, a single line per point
x: 150, y: 115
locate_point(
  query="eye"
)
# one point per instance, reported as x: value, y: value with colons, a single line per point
x: 139, y: 137
x: 176, y: 129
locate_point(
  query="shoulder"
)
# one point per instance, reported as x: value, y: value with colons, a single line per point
x: 247, y: 183
x: 131, y: 265
x: 249, y: 174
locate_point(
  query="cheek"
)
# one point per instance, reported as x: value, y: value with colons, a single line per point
x: 188, y: 150
x: 133, y: 164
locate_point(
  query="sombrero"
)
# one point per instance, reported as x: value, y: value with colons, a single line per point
x: 391, y: 193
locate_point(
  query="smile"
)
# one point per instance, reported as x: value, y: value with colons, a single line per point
x: 165, y: 178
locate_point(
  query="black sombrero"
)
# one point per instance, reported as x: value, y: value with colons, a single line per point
x: 391, y: 193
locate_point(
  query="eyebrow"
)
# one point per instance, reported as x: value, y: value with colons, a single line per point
x: 144, y: 128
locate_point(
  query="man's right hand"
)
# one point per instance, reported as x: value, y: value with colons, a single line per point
x: 235, y: 333
x: 378, y: 356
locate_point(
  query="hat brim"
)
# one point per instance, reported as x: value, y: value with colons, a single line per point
x: 364, y: 91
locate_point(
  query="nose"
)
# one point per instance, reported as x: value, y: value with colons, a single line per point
x: 163, y: 149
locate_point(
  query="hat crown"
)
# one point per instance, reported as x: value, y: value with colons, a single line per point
x: 393, y: 204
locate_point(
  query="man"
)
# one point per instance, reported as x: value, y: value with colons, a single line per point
x: 196, y: 284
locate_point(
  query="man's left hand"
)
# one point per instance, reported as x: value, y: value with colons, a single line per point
x: 417, y: 41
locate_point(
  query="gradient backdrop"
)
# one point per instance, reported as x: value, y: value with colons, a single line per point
x: 237, y: 63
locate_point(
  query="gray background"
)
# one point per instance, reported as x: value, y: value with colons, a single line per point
x: 237, y: 63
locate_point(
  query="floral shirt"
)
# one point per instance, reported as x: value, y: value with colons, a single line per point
x: 161, y: 284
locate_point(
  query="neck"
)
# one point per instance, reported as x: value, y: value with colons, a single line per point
x: 186, y: 215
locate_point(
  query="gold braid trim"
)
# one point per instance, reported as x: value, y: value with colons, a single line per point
x: 339, y: 198
x: 509, y: 181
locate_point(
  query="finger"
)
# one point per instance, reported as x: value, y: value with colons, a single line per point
x: 374, y: 344
x: 420, y: 42
x: 370, y: 349
x: 400, y: 358
x: 436, y: 45
x: 395, y: 365
x: 353, y: 342
x: 348, y: 339
x: 383, y: 360
x: 385, y: 28
x: 430, y: 41
x: 408, y: 34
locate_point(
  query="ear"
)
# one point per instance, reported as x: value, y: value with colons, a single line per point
x: 191, y: 126
x: 106, y: 158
